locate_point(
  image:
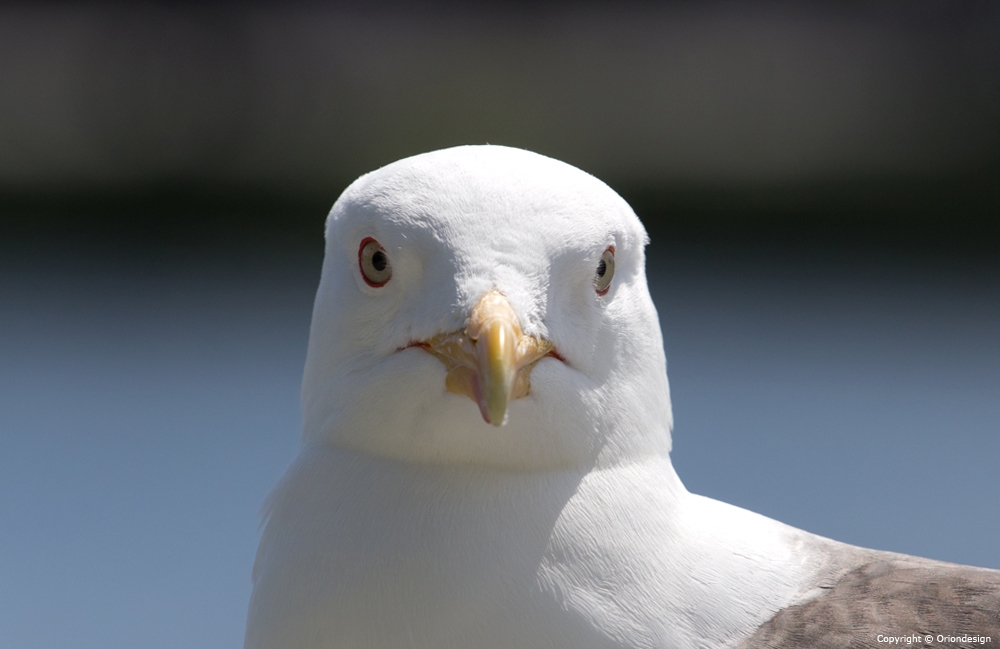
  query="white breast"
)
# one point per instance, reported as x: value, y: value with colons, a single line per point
x: 364, y: 552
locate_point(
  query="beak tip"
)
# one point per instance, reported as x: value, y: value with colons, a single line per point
x: 495, y: 416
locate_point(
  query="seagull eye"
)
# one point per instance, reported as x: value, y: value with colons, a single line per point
x: 605, y: 271
x: 374, y: 263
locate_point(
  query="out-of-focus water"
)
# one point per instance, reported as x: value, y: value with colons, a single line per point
x: 857, y: 401
x: 147, y: 408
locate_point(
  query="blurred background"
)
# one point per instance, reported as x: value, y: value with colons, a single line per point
x: 821, y: 182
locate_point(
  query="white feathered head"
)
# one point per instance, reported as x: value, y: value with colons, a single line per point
x: 486, y: 305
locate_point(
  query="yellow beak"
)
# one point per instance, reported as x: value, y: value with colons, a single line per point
x: 490, y: 360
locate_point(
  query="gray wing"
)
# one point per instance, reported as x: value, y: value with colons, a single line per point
x: 894, y: 596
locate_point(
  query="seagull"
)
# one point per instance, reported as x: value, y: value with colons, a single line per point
x: 485, y: 451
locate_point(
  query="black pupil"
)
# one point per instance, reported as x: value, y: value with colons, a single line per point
x: 601, y: 268
x: 379, y: 261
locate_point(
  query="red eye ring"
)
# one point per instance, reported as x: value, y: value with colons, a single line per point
x: 373, y: 262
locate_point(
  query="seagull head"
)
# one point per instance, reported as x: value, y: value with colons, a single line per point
x: 484, y: 305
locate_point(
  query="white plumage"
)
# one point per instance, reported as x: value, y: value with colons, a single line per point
x: 409, y: 521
